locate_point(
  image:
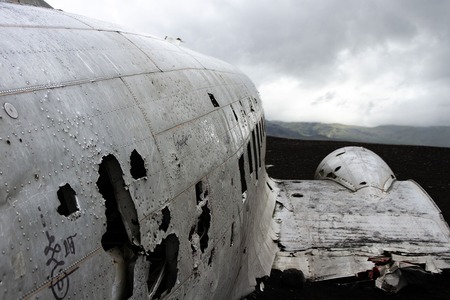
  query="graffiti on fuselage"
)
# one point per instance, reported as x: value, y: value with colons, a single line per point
x: 56, y: 253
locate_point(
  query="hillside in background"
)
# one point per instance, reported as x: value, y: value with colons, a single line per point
x: 438, y: 136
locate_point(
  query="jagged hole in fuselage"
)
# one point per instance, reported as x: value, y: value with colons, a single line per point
x: 122, y: 227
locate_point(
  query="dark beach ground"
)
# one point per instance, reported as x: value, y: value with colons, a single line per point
x: 428, y: 166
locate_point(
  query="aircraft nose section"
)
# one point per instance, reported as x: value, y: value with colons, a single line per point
x: 356, y: 168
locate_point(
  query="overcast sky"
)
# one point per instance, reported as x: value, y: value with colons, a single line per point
x: 353, y: 62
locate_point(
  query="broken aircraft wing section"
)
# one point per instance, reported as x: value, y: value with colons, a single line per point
x: 329, y: 228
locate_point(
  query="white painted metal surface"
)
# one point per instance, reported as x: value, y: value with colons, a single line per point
x: 121, y: 151
x: 356, y: 168
x: 329, y: 231
x: 83, y: 103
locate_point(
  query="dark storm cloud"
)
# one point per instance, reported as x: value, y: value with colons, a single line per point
x: 289, y: 37
x: 385, y: 60
x: 304, y: 38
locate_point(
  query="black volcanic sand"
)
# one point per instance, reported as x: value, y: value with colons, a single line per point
x: 298, y: 159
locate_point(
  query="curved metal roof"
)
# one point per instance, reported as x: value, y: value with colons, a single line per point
x: 356, y: 168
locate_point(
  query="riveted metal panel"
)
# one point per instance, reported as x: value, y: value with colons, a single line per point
x: 356, y: 168
x: 166, y: 56
x: 70, y: 98
x: 96, y: 24
x: 190, y: 151
x: 63, y: 134
x: 64, y: 57
x: 211, y: 63
x: 348, y: 227
x: 183, y: 217
x: 20, y: 15
x: 173, y: 98
x: 234, y: 132
x: 63, y: 120
x: 168, y: 99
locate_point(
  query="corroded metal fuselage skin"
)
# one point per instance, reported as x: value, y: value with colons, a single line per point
x: 119, y: 151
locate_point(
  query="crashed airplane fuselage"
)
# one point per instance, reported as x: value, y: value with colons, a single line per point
x: 331, y: 227
x: 131, y: 167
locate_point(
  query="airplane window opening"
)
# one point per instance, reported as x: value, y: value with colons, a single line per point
x: 297, y: 195
x: 122, y: 226
x: 261, y: 130
x: 255, y: 153
x: 339, y: 154
x: 242, y: 173
x: 213, y: 100
x: 163, y: 269
x: 258, y: 126
x: 232, y: 235
x: 242, y: 109
x: 234, y: 113
x: 337, y: 169
x: 259, y: 144
x: 165, y: 222
x: 331, y: 175
x: 363, y: 183
x: 257, y: 131
x: 137, y: 165
x: 251, y: 104
x: 268, y: 185
x: 203, y: 224
x: 250, y: 159
x: 256, y: 101
x: 67, y: 198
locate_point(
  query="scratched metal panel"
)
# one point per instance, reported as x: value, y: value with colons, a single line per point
x: 168, y: 99
x: 46, y: 245
x: 29, y: 261
x: 355, y: 168
x: 260, y: 248
x: 62, y: 134
x: 211, y: 63
x: 21, y: 15
x: 234, y: 127
x: 225, y: 212
x: 325, y: 215
x: 171, y: 99
x: 66, y: 117
x: 185, y: 213
x: 151, y: 192
x: 182, y: 217
x: 96, y: 24
x: 190, y: 151
x: 166, y: 56
x: 30, y: 57
x: 224, y: 206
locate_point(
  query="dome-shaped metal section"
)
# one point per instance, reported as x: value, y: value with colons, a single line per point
x: 356, y: 168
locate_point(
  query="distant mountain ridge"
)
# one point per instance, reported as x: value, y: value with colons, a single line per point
x: 438, y: 136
